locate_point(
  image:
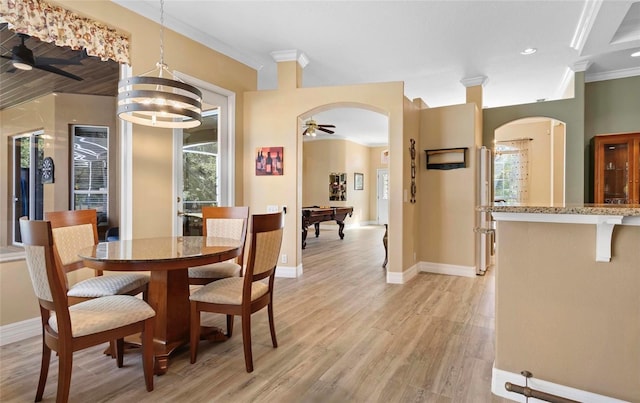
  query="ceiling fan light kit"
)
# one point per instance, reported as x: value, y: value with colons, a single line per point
x: 311, y: 126
x: 153, y: 100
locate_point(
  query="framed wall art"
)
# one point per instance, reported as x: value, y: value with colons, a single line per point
x: 358, y: 181
x: 269, y: 161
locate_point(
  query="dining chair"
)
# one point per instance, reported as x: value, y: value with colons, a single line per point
x: 243, y: 296
x: 226, y: 222
x: 74, y: 230
x: 66, y: 329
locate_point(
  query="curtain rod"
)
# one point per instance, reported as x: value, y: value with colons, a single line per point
x: 508, y: 141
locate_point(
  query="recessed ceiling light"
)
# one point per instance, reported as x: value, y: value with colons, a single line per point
x: 529, y: 51
x: 636, y: 54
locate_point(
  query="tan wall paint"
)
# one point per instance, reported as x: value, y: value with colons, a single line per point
x: 53, y: 114
x: 563, y: 316
x: 272, y: 118
x: 322, y: 157
x: 447, y: 198
x: 153, y: 148
x: 558, y: 144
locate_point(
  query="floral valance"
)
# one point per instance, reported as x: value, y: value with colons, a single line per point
x: 56, y: 25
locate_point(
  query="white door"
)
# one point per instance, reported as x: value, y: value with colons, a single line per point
x: 203, y: 164
x: 383, y: 196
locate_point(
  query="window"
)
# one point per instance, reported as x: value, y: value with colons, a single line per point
x: 511, y: 172
x: 90, y: 170
x: 28, y: 192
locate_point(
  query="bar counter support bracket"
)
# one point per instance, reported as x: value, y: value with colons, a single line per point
x: 604, y: 233
x: 604, y: 225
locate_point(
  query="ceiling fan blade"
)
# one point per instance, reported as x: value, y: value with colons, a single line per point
x: 304, y: 133
x: 325, y: 130
x: 328, y: 126
x: 6, y: 57
x: 56, y: 70
x: 42, y: 61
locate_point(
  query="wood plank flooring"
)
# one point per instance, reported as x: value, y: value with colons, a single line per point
x: 344, y: 335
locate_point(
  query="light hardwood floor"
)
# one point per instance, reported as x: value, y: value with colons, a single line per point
x: 344, y: 335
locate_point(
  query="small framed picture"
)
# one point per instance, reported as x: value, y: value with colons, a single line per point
x: 269, y: 161
x: 358, y: 181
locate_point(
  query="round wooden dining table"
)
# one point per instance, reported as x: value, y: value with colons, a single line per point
x: 167, y: 259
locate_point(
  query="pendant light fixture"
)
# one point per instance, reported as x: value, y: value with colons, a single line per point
x: 153, y: 100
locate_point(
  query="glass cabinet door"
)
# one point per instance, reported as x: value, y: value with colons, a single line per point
x: 616, y: 173
x: 617, y: 168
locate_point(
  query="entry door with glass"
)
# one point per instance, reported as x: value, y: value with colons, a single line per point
x: 200, y: 185
x: 28, y: 191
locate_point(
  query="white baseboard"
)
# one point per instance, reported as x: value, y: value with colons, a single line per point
x: 450, y: 269
x: 19, y: 331
x: 500, y: 377
x: 288, y: 271
x: 402, y: 278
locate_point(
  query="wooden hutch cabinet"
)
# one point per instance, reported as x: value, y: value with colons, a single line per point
x: 617, y: 168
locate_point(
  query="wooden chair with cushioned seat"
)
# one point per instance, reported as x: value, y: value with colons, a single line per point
x: 67, y: 329
x: 74, y: 230
x: 243, y: 296
x: 226, y: 222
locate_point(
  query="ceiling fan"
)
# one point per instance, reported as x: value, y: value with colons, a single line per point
x: 310, y: 127
x: 22, y: 58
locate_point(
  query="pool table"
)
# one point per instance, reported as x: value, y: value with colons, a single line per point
x: 316, y: 214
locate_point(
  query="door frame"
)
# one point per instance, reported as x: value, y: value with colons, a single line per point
x: 225, y: 100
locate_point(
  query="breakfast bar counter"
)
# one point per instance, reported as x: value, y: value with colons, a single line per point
x: 567, y: 282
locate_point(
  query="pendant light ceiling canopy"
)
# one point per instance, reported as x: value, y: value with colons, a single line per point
x: 153, y: 100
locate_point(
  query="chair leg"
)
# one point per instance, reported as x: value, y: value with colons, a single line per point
x: 246, y: 340
x: 44, y: 370
x: 147, y: 353
x: 272, y: 325
x: 229, y: 325
x: 119, y: 352
x: 195, y: 331
x: 65, y: 365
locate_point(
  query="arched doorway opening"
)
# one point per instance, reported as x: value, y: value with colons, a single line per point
x: 529, y: 157
x: 354, y: 155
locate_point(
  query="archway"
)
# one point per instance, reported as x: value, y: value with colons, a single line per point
x: 354, y: 152
x: 529, y: 161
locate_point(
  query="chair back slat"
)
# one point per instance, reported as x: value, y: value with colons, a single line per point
x: 73, y: 230
x: 266, y: 240
x: 46, y: 278
x: 227, y: 222
x: 226, y: 227
x: 70, y: 240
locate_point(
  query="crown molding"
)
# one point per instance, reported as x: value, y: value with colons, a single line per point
x: 585, y: 23
x: 474, y: 81
x: 612, y: 75
x: 581, y: 66
x: 290, y: 55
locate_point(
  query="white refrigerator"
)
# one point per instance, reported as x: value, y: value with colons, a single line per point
x: 485, y: 229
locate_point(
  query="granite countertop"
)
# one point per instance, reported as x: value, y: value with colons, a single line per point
x: 586, y: 209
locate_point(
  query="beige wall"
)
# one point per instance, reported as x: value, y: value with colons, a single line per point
x: 153, y: 147
x: 564, y: 317
x: 447, y: 198
x: 322, y: 157
x: 272, y: 118
x: 558, y: 139
x: 54, y: 115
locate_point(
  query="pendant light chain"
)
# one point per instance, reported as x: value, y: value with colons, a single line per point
x: 161, y: 64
